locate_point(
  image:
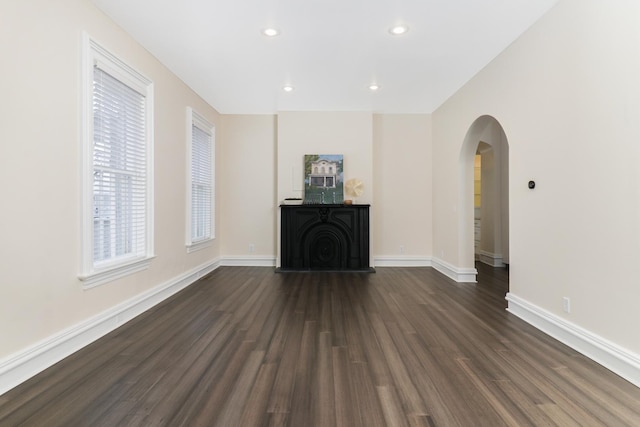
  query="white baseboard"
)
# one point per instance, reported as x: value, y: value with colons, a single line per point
x: 401, y: 261
x: 249, y: 261
x: 494, y: 260
x: 24, y: 364
x: 460, y: 275
x: 613, y: 357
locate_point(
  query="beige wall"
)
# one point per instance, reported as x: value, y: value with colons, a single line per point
x: 402, y: 165
x: 40, y: 294
x: 346, y: 133
x: 247, y: 185
x: 566, y: 94
x: 390, y: 153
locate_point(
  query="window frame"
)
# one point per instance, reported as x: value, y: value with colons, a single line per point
x: 197, y: 120
x: 97, y: 273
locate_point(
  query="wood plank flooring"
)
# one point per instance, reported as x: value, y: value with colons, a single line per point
x: 402, y: 347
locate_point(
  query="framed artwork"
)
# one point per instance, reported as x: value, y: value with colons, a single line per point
x: 323, y: 179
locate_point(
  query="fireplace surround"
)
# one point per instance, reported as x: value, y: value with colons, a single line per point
x: 324, y: 238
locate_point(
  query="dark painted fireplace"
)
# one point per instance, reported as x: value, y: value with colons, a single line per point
x: 324, y: 237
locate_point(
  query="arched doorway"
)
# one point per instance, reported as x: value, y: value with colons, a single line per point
x: 484, y: 194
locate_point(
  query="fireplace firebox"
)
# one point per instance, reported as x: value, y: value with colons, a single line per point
x: 324, y: 238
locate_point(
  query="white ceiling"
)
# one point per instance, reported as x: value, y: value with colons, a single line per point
x: 330, y: 51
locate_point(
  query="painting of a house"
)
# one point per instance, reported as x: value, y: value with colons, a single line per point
x: 323, y: 179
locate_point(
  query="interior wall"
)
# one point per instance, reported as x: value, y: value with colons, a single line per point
x: 402, y: 165
x: 494, y: 148
x: 477, y: 203
x: 504, y: 197
x: 346, y: 133
x: 249, y: 150
x: 248, y: 201
x: 489, y: 242
x: 40, y: 170
x: 566, y: 94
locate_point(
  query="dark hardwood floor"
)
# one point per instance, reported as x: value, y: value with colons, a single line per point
x: 402, y: 347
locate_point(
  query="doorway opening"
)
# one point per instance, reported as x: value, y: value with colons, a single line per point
x: 484, y: 197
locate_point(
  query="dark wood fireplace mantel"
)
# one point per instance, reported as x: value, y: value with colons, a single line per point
x: 324, y: 238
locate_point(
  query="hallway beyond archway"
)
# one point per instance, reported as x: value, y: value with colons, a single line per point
x: 484, y: 226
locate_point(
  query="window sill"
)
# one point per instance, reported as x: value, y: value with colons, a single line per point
x: 200, y: 244
x: 110, y: 274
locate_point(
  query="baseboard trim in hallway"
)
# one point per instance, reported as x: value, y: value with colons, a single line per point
x: 460, y: 275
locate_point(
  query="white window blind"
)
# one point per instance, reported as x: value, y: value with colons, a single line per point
x: 201, y: 180
x: 119, y: 169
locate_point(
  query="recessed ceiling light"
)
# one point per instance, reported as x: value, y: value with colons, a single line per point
x: 374, y: 87
x: 270, y: 32
x: 287, y: 88
x: 398, y: 30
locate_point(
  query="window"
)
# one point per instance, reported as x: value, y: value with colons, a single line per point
x: 117, y: 163
x: 200, y: 227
